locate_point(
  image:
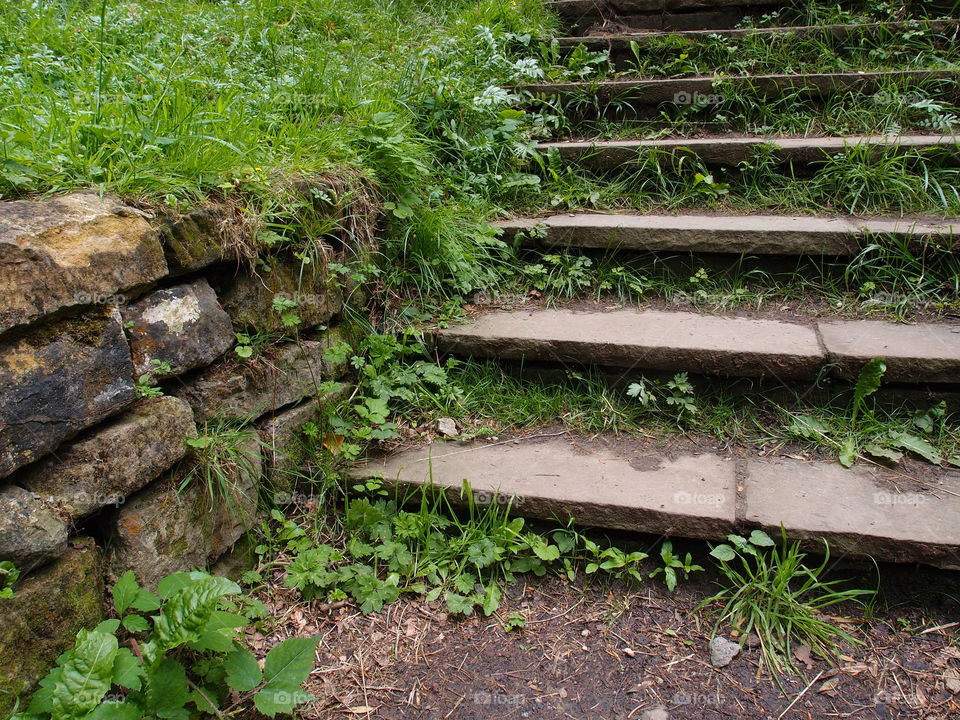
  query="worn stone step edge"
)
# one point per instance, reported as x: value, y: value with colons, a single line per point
x: 620, y: 44
x: 741, y: 234
x: 615, y: 8
x: 612, y: 154
x: 782, y: 348
x: 682, y: 90
x: 866, y: 510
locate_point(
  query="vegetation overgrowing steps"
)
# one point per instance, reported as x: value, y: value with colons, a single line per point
x: 616, y: 484
x: 621, y: 47
x: 719, y: 233
x: 615, y: 95
x: 731, y: 150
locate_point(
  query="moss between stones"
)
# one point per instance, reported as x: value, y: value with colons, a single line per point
x: 42, y: 620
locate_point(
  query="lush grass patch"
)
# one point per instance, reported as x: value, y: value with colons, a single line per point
x: 860, y: 181
x: 181, y: 99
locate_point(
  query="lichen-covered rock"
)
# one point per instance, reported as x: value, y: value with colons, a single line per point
x: 249, y: 297
x: 195, y: 240
x: 58, y: 380
x: 43, y: 618
x: 248, y: 389
x: 183, y: 326
x: 162, y: 530
x: 115, y: 460
x: 72, y: 250
x: 31, y: 531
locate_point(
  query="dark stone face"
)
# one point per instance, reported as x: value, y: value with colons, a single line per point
x: 59, y: 380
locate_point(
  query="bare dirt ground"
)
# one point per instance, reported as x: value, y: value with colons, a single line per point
x: 608, y: 651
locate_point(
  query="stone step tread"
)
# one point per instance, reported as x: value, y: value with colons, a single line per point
x: 621, y: 41
x: 620, y: 484
x: 664, y: 89
x: 731, y: 150
x: 752, y: 234
x: 778, y: 347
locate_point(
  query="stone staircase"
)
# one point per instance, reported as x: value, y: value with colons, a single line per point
x: 891, y: 513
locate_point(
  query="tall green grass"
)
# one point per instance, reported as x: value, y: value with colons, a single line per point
x: 177, y: 99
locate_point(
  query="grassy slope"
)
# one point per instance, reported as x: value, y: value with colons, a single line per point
x: 183, y: 95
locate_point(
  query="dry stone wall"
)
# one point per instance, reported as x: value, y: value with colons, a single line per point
x: 94, y: 295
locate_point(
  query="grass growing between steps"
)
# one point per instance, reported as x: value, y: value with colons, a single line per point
x: 822, y: 419
x: 859, y: 181
x: 917, y: 46
x: 894, y: 107
x: 889, y: 278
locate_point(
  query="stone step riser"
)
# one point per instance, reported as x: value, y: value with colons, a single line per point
x: 585, y: 16
x: 748, y: 235
x: 800, y: 153
x: 866, y: 510
x: 728, y: 346
x: 620, y: 51
x: 624, y: 99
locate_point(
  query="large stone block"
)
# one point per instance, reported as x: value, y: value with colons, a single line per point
x: 58, y: 380
x: 183, y: 326
x: 163, y: 530
x: 248, y: 389
x: 249, y: 297
x: 114, y: 460
x: 31, y: 532
x: 43, y: 618
x: 73, y: 250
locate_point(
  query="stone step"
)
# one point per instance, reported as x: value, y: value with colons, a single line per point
x: 626, y: 485
x: 684, y: 91
x: 776, y: 347
x: 750, y: 234
x: 614, y: 154
x: 619, y: 45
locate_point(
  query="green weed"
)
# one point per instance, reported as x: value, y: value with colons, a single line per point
x: 767, y: 590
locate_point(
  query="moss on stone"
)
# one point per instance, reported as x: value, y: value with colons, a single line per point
x: 43, y: 618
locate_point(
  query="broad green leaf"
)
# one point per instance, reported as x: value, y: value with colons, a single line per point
x: 86, y: 675
x: 808, y: 427
x: 723, y: 552
x: 848, y: 452
x: 187, y: 613
x: 146, y: 601
x: 243, y: 670
x: 913, y: 444
x: 459, y: 604
x: 491, y: 599
x: 290, y: 663
x: 125, y: 591
x: 172, y: 584
x: 761, y: 539
x: 868, y: 382
x: 670, y: 576
x: 167, y: 687
x: 135, y: 623
x: 272, y: 701
x: 117, y: 711
x: 879, y: 451
x: 127, y: 670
